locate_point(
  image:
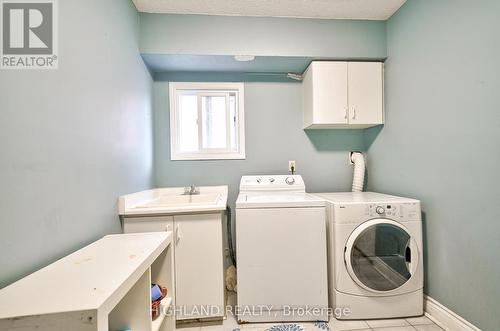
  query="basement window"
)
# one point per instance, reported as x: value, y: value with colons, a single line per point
x: 207, y: 121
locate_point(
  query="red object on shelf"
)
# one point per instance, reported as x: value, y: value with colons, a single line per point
x: 155, y: 305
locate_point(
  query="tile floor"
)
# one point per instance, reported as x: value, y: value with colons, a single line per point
x: 230, y: 324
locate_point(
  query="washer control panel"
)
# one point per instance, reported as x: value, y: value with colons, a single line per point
x: 272, y: 183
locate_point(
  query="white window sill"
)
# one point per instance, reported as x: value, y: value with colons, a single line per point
x: 204, y: 157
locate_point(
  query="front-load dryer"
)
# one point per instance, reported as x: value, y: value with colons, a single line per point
x: 281, y: 251
x: 375, y: 255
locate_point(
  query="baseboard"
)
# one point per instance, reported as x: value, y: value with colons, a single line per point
x: 446, y: 318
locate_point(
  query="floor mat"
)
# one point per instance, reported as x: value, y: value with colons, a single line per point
x: 314, y: 326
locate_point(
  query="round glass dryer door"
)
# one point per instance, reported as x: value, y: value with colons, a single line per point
x: 380, y: 255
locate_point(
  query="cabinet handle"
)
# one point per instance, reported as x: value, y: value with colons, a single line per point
x: 354, y: 113
x: 346, y: 113
x: 177, y: 234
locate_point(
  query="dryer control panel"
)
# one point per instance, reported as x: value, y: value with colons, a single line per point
x: 393, y: 210
x: 400, y: 212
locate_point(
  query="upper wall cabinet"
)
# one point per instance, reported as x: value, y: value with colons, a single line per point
x: 343, y: 95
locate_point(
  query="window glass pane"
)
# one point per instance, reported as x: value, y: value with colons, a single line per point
x: 207, y: 121
x: 233, y: 122
x: 213, y: 110
x: 380, y: 257
x: 188, y: 123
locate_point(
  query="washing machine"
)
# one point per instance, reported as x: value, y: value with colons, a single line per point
x: 280, y: 251
x: 374, y: 255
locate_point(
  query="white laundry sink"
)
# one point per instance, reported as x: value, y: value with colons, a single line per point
x: 182, y: 200
x: 172, y: 200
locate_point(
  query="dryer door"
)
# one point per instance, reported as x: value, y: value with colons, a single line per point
x: 381, y: 256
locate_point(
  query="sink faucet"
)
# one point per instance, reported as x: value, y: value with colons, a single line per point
x: 191, y: 190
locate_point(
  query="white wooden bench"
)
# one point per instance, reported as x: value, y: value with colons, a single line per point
x: 103, y: 286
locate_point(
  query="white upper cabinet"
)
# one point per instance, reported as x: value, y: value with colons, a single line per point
x: 345, y: 95
x: 325, y: 94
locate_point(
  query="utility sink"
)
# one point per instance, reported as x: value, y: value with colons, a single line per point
x: 182, y: 200
x: 172, y: 200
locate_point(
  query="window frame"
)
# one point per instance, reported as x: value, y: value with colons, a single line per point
x: 207, y: 89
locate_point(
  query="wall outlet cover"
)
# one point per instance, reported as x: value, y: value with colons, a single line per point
x: 290, y: 165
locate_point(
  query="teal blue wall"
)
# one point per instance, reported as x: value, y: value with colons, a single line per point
x: 73, y: 139
x: 224, y: 35
x: 274, y: 135
x: 440, y: 144
x: 273, y: 107
x: 72, y: 144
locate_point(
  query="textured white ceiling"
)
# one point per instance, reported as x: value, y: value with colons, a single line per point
x: 325, y: 9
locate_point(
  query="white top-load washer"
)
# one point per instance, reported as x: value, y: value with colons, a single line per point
x: 281, y: 251
x: 374, y: 255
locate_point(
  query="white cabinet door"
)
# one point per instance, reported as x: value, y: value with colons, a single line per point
x: 148, y: 224
x: 329, y: 92
x: 199, y: 274
x: 366, y: 101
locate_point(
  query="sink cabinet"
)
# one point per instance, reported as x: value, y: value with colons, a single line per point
x: 198, y: 260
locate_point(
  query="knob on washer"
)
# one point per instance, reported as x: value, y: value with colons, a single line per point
x: 380, y: 210
x: 290, y: 180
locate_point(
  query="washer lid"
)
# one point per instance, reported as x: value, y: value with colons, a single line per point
x: 278, y: 200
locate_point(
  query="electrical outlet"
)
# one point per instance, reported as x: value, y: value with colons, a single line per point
x: 291, y: 164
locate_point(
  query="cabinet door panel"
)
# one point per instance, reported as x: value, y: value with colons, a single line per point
x: 329, y: 92
x: 148, y: 224
x: 199, y: 265
x: 365, y: 93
